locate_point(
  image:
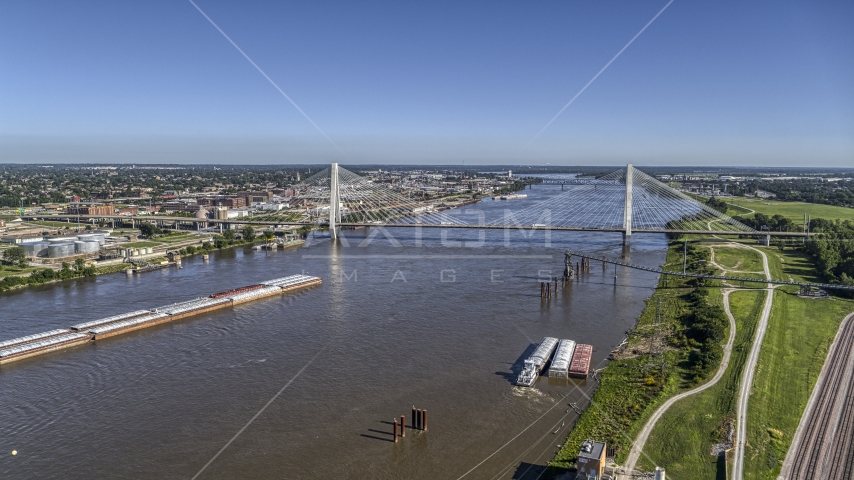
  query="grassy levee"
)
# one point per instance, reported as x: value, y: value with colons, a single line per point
x: 738, y: 259
x: 630, y: 390
x: 799, y: 335
x: 791, y: 264
x: 682, y: 439
x: 792, y: 210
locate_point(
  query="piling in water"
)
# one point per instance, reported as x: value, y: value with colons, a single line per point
x: 402, y: 426
x: 413, y: 416
x: 424, y: 426
x: 395, y: 430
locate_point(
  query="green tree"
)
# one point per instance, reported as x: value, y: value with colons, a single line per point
x: 268, y: 234
x: 229, y: 236
x: 149, y: 229
x: 79, y: 264
x: 249, y: 233
x: 718, y: 205
x: 15, y: 256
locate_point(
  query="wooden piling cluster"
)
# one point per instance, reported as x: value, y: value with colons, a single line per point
x: 419, y: 422
x: 546, y: 287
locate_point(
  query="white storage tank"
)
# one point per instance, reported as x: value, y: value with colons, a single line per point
x: 60, y: 250
x: 62, y: 240
x: 87, y: 237
x: 88, y: 246
x: 35, y: 249
x: 149, y: 250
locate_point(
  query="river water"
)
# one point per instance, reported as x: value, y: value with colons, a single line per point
x: 440, y: 320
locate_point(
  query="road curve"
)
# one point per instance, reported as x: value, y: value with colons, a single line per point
x: 747, y: 376
x: 637, y: 447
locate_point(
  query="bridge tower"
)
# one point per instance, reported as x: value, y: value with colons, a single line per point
x: 627, y: 215
x: 334, y: 201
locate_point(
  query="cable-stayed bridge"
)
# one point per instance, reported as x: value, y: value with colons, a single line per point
x: 626, y: 200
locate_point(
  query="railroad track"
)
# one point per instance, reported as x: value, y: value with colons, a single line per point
x: 824, y: 443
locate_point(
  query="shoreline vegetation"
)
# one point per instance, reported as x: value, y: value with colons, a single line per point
x: 647, y: 369
x: 79, y: 268
x: 634, y: 384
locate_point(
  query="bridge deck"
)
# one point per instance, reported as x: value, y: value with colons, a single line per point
x: 714, y: 277
x: 241, y: 221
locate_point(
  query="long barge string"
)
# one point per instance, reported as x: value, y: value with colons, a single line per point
x: 89, y: 331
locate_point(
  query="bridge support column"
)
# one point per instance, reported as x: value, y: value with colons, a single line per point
x: 334, y: 201
x: 765, y: 240
x: 627, y: 214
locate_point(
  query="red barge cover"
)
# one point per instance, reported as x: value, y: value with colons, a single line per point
x: 580, y: 365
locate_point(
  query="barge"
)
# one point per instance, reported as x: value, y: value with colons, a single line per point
x: 93, y: 330
x: 44, y: 345
x: 543, y: 353
x: 563, y: 356
x: 535, y: 363
x: 580, y: 365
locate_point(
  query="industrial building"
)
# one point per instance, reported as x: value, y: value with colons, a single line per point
x: 83, y: 244
x: 591, y: 460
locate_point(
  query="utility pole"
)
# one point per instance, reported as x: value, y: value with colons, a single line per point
x: 685, y: 257
x: 809, y: 220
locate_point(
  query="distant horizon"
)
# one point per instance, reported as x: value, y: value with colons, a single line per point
x: 504, y: 166
x: 658, y: 82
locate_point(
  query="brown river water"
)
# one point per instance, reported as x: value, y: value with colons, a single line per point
x: 440, y: 325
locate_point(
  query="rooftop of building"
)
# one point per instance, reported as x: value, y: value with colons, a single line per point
x: 592, y: 449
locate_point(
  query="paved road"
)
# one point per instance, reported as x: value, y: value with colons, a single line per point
x: 823, y: 445
x: 747, y: 376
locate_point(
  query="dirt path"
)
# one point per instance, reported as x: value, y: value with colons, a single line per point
x: 747, y: 379
x: 637, y: 448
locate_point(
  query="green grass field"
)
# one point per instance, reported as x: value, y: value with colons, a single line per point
x: 142, y: 244
x: 790, y: 263
x: 799, y: 334
x: 792, y: 210
x: 8, y: 270
x: 175, y: 238
x: 684, y: 452
x: 738, y: 259
x: 47, y: 223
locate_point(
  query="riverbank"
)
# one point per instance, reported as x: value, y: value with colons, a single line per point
x: 660, y: 358
x: 43, y: 276
x: 689, y: 436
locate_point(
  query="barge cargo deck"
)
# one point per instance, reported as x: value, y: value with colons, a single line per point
x: 92, y: 330
x: 543, y: 353
x: 563, y: 356
x: 580, y: 366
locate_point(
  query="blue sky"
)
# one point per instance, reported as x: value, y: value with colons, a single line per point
x: 708, y: 83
